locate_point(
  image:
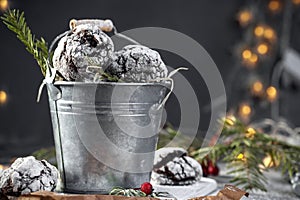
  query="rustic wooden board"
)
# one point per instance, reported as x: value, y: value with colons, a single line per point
x: 42, y: 195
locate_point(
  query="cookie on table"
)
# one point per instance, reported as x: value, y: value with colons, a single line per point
x: 172, y: 166
x: 28, y: 175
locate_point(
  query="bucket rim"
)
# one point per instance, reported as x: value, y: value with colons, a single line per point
x: 66, y: 83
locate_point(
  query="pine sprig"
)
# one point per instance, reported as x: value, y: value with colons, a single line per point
x: 168, y: 134
x: 243, y: 149
x: 15, y: 21
x: 119, y: 191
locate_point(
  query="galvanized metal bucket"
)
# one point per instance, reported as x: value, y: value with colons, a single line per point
x: 105, y: 133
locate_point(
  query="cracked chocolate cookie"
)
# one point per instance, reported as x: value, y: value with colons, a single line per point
x: 137, y: 63
x: 84, y: 46
x: 28, y: 175
x: 176, y: 168
x: 167, y: 154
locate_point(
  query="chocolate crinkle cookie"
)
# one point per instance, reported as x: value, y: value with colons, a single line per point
x: 137, y: 63
x: 175, y: 168
x: 85, y: 47
x: 28, y: 175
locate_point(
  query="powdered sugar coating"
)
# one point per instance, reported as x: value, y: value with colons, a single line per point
x: 137, y: 63
x: 28, y: 175
x: 85, y: 46
x: 173, y: 167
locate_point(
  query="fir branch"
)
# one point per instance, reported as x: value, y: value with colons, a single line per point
x: 15, y: 21
x: 243, y: 150
x: 109, y: 78
x: 168, y: 134
x: 45, y: 154
x: 119, y: 191
x: 99, y: 72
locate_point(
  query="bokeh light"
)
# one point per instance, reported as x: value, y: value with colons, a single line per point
x: 269, y: 33
x: 262, y: 48
x: 3, y: 4
x: 3, y: 97
x: 274, y: 6
x: 245, y: 17
x: 271, y: 93
x: 254, y: 58
x: 250, y: 58
x: 296, y: 2
x: 259, y: 31
x: 244, y: 110
x: 265, y: 31
x: 257, y: 88
x: 247, y: 54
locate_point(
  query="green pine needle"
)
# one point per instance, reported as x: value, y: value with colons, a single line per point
x: 15, y: 21
x: 243, y: 152
x: 119, y: 191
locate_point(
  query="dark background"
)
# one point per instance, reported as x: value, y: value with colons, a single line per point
x: 25, y: 125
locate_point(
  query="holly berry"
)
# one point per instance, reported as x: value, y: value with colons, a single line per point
x: 213, y: 169
x: 209, y: 168
x: 147, y: 188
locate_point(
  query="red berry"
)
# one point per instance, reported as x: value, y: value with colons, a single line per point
x: 147, y: 188
x: 213, y: 170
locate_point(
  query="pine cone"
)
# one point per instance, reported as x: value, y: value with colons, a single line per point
x: 85, y: 46
x: 136, y: 63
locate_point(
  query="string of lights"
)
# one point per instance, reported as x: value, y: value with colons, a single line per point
x: 4, y: 5
x: 258, y: 52
x: 265, y: 42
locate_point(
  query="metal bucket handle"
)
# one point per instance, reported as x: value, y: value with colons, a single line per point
x: 169, y: 78
x: 107, y: 26
x: 51, y: 73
